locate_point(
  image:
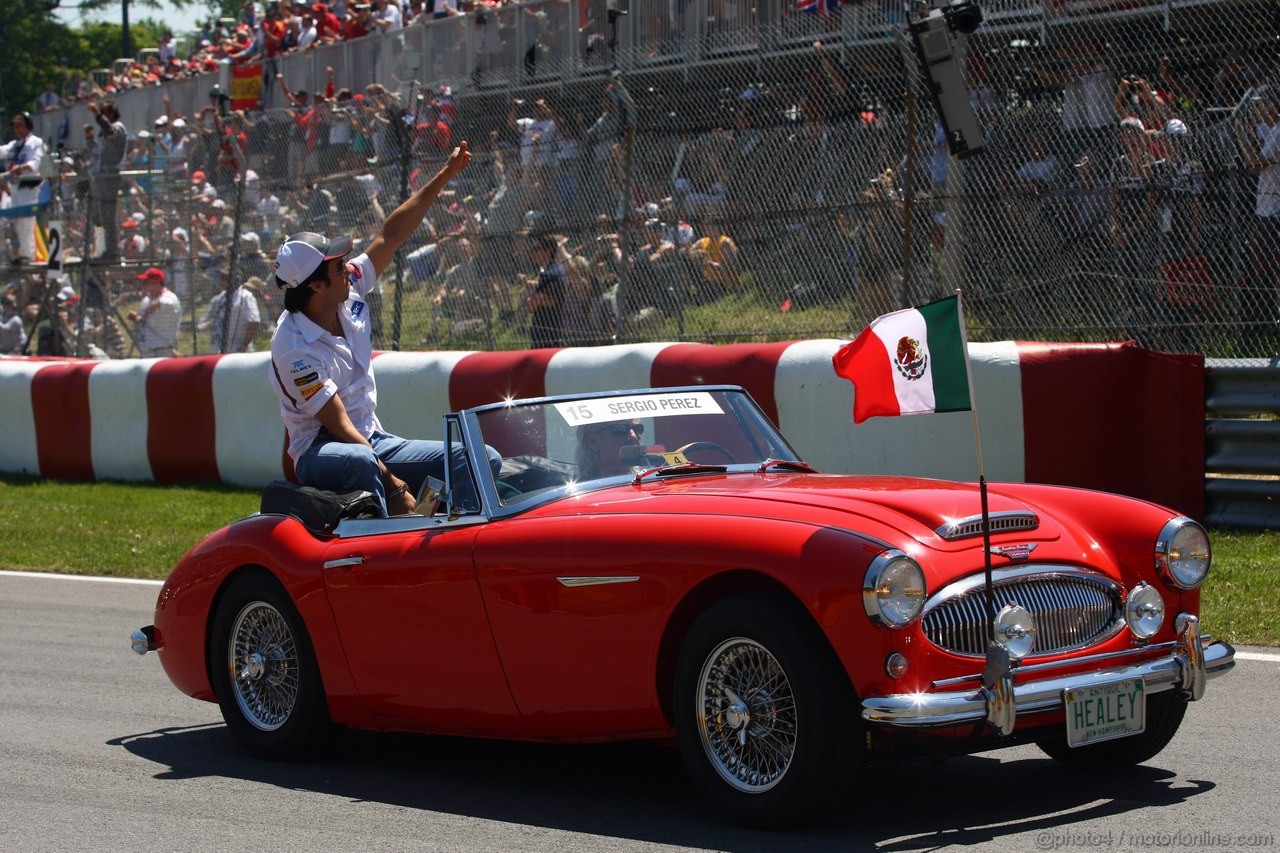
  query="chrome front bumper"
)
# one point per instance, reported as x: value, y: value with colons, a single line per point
x: 1190, y: 663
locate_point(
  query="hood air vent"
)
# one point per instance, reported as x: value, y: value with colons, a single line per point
x: 1001, y: 522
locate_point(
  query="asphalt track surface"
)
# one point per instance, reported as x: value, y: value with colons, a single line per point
x: 99, y: 752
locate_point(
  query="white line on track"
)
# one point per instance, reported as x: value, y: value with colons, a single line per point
x: 52, y: 576
x: 1258, y: 656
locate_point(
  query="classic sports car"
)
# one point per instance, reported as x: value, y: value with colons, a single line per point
x: 660, y: 563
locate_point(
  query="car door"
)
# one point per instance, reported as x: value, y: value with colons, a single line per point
x: 413, y: 624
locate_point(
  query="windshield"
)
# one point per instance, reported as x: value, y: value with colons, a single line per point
x: 572, y: 443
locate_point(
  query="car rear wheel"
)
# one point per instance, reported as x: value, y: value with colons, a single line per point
x: 1164, y: 714
x: 765, y: 716
x: 264, y: 671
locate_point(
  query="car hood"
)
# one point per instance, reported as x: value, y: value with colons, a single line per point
x: 912, y: 506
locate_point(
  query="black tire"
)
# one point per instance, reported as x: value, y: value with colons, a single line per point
x: 277, y: 708
x: 820, y: 727
x: 1164, y: 714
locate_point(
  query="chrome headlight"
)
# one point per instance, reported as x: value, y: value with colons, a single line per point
x: 893, y: 591
x: 1144, y: 611
x: 1016, y: 630
x: 1182, y: 553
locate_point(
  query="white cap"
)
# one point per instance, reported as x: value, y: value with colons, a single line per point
x: 218, y: 204
x: 144, y: 134
x: 1175, y: 127
x: 181, y: 234
x: 304, y: 252
x: 179, y: 123
x: 162, y: 121
x: 251, y: 237
x: 66, y: 293
x: 139, y: 217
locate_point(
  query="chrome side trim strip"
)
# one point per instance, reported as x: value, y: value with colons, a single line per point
x: 925, y: 710
x: 573, y: 582
x: 345, y: 561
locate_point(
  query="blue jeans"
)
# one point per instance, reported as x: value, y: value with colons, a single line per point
x: 340, y: 467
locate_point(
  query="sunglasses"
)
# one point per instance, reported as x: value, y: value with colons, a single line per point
x: 621, y: 428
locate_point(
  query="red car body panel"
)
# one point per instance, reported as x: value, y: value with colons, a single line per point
x: 468, y: 630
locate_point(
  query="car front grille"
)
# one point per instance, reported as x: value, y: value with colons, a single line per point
x: 1071, y: 612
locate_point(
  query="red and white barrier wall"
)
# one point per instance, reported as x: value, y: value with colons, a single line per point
x: 1103, y: 416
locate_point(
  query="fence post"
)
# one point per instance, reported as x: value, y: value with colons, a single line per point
x: 628, y: 193
x: 224, y: 322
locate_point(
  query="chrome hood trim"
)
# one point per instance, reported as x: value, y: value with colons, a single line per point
x: 1001, y: 522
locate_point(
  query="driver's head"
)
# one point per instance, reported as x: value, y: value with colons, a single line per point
x: 600, y: 448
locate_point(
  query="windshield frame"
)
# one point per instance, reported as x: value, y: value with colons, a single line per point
x: 494, y: 508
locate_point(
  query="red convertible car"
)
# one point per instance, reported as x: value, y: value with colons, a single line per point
x: 661, y: 564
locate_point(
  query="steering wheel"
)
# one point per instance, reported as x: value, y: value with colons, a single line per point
x: 706, y: 445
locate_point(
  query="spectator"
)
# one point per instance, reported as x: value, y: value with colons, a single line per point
x: 307, y: 34
x: 716, y: 256
x: 387, y: 17
x: 157, y: 318
x: 48, y: 99
x: 546, y: 298
x: 1134, y: 205
x: 133, y: 246
x: 12, y: 335
x: 109, y: 157
x: 253, y: 264
x: 23, y: 159
x: 234, y: 329
x: 179, y: 256
x: 303, y: 134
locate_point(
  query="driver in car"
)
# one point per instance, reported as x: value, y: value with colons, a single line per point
x: 321, y: 361
x: 601, y: 449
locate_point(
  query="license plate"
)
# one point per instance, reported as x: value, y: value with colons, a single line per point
x: 1105, y: 711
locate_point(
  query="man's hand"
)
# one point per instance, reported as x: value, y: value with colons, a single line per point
x: 402, y: 504
x: 458, y: 160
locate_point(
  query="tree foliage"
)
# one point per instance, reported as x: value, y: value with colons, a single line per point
x: 33, y: 42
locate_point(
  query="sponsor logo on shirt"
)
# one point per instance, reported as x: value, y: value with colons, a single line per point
x: 300, y: 364
x: 353, y: 271
x: 310, y: 391
x: 306, y: 380
x: 356, y: 309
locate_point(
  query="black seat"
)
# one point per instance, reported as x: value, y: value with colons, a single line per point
x: 318, y: 510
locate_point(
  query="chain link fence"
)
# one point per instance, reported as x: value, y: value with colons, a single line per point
x: 714, y: 170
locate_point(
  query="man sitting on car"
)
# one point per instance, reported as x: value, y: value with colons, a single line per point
x: 321, y: 360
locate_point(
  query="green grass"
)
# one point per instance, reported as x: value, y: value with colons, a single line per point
x: 141, y: 531
x: 1239, y: 601
x: 118, y: 529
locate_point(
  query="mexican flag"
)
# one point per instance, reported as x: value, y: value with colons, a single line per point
x: 909, y: 362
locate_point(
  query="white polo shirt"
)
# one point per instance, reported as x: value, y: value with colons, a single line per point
x: 309, y: 365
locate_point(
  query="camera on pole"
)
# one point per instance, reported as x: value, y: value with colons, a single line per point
x: 938, y: 36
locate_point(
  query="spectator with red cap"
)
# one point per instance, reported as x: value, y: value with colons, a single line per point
x: 157, y: 318
x: 328, y: 27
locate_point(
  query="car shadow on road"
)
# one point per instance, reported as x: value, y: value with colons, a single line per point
x: 640, y: 791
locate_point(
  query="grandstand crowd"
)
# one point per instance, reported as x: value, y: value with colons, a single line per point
x: 531, y: 238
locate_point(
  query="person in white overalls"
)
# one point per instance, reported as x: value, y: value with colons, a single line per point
x: 23, y: 158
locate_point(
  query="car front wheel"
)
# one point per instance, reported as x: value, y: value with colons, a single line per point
x: 264, y: 671
x: 1164, y: 714
x: 765, y: 716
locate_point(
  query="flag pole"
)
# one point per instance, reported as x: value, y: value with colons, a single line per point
x: 982, y: 477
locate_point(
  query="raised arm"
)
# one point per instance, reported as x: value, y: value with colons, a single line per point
x: 406, y: 218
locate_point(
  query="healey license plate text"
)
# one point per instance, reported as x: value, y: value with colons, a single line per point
x: 1105, y: 711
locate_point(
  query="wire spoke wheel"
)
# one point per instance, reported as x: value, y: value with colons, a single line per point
x: 746, y: 714
x: 262, y: 662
